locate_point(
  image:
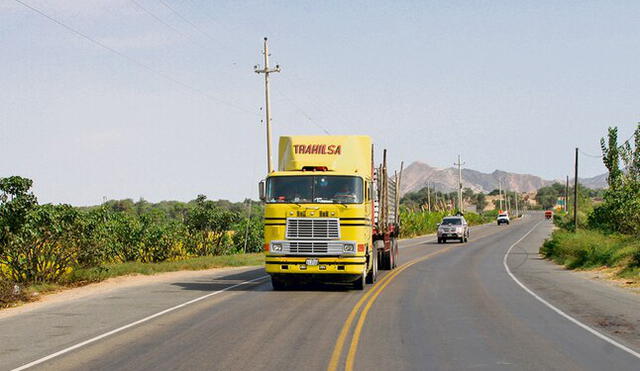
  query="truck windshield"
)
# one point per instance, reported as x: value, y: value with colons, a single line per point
x: 332, y: 189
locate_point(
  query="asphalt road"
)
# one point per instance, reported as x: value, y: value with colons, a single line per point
x: 447, y: 307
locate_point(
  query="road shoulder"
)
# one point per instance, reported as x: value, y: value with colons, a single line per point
x: 600, y: 304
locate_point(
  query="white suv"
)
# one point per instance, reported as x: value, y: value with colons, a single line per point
x: 503, y: 218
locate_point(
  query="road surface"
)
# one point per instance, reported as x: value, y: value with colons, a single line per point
x: 447, y: 307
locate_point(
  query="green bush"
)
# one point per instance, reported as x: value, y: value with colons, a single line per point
x: 590, y: 249
x: 249, y: 232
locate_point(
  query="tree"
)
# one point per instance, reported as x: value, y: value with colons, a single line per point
x: 620, y: 211
x: 480, y: 202
x: 211, y: 224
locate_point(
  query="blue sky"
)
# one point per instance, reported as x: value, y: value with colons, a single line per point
x: 509, y: 85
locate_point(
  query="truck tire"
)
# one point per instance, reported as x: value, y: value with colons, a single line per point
x: 386, y: 260
x: 373, y: 273
x: 394, y: 245
x: 278, y: 284
x: 378, y: 246
x: 360, y: 283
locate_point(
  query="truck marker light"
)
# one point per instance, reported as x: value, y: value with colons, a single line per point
x: 360, y: 247
x: 266, y: 247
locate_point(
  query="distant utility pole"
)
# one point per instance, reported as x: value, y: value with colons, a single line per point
x: 429, y: 197
x: 436, y: 203
x: 459, y: 164
x: 516, y: 199
x: 566, y: 196
x: 500, y: 193
x: 266, y: 70
x: 575, y: 196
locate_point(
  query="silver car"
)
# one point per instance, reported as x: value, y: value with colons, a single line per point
x: 453, y: 228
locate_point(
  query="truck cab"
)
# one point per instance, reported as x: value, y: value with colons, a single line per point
x: 320, y: 212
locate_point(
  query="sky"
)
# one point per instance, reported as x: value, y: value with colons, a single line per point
x: 169, y: 106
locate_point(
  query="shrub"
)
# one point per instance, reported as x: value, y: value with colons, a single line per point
x: 10, y: 293
x: 249, y: 232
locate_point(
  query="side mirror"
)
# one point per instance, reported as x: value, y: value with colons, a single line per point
x: 261, y: 191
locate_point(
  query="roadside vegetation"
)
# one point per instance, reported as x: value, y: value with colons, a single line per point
x: 608, y: 233
x: 45, y: 245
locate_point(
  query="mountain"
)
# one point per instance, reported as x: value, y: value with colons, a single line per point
x: 416, y: 176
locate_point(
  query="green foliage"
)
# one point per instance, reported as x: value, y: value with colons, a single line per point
x: 248, y: 235
x: 481, y: 202
x: 43, y: 248
x: 620, y: 211
x: 589, y: 249
x: 547, y: 196
x: 51, y: 243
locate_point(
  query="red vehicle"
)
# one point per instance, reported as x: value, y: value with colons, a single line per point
x: 548, y: 214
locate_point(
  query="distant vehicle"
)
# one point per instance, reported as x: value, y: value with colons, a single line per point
x: 503, y: 218
x: 453, y: 228
x: 548, y: 214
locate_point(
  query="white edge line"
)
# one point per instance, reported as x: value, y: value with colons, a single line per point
x: 555, y: 309
x: 132, y: 324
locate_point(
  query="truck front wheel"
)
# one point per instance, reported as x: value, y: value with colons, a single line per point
x: 278, y: 284
x: 361, y: 281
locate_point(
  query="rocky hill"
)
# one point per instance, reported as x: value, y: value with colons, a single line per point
x: 416, y: 176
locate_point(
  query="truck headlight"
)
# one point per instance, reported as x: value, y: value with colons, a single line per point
x: 276, y: 247
x: 349, y: 247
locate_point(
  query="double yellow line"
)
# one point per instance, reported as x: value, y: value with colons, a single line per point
x: 369, y: 297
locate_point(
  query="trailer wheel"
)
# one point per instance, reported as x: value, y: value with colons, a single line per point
x: 373, y: 273
x: 386, y: 260
x: 378, y: 247
x: 394, y: 253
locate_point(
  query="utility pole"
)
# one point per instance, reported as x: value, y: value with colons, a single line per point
x: 246, y: 232
x: 566, y: 196
x: 575, y: 196
x: 429, y: 197
x: 436, y: 194
x: 266, y: 70
x: 516, y: 199
x: 500, y: 193
x: 459, y: 164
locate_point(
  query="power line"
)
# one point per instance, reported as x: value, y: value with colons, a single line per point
x: 149, y: 13
x: 303, y: 112
x: 132, y: 60
x: 589, y: 155
x: 195, y: 27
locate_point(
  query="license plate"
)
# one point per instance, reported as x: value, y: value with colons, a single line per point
x: 312, y: 261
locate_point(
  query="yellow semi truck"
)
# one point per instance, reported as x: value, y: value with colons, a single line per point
x: 330, y: 214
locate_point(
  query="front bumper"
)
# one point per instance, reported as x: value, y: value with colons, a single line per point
x: 331, y: 265
x: 450, y: 234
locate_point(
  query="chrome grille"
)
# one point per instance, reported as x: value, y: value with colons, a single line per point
x: 308, y: 247
x: 313, y: 228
